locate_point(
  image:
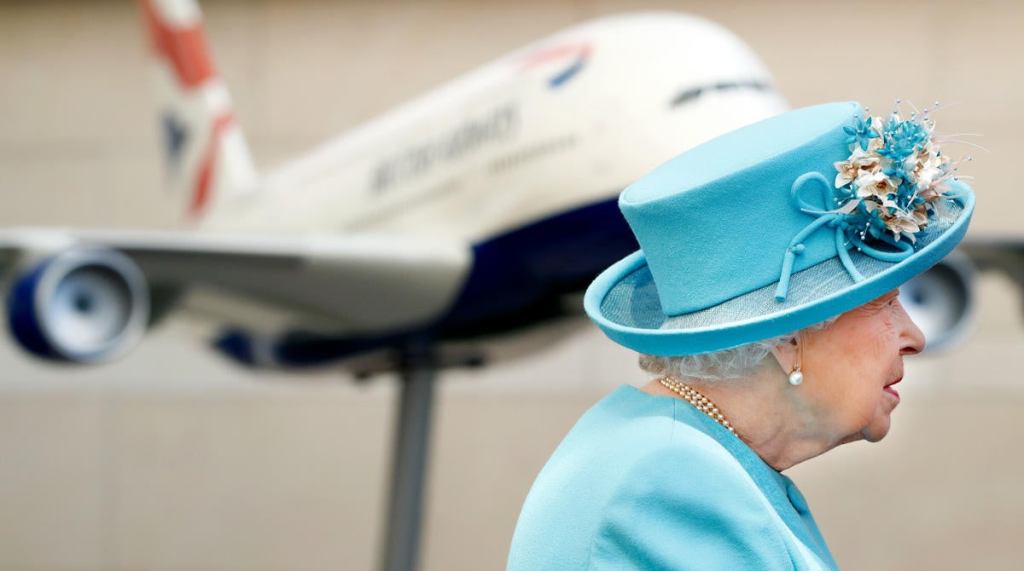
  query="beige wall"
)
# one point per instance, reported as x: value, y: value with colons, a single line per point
x: 173, y: 459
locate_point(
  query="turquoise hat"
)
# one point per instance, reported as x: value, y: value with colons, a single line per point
x: 777, y: 226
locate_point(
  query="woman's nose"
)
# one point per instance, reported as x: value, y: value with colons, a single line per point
x: 911, y: 336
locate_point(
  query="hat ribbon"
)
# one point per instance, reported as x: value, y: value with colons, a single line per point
x: 833, y: 216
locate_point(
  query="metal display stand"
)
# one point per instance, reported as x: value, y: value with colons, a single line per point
x: 419, y: 365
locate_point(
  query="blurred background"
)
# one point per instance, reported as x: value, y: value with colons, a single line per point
x: 174, y: 459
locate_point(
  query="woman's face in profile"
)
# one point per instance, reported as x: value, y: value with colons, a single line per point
x: 850, y: 365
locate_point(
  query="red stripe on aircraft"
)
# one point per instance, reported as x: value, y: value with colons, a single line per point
x: 557, y: 52
x: 204, y: 179
x: 184, y: 48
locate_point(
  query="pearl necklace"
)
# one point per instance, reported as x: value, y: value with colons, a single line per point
x: 699, y: 401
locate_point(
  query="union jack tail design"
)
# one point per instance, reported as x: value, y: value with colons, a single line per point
x: 206, y: 157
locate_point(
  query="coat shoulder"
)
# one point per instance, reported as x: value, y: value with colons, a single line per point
x: 688, y: 501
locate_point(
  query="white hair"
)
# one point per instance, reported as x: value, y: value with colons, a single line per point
x: 725, y: 364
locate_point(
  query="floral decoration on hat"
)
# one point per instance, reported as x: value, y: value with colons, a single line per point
x: 894, y: 183
x: 895, y: 176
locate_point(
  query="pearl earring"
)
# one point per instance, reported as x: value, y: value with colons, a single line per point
x: 796, y: 377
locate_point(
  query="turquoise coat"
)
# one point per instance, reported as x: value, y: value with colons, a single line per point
x: 649, y: 482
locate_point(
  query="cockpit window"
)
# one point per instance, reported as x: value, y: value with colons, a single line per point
x: 689, y: 95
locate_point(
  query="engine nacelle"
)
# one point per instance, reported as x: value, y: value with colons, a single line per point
x: 81, y: 306
x: 941, y: 301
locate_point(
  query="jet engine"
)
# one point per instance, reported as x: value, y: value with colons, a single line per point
x: 80, y: 306
x: 941, y: 300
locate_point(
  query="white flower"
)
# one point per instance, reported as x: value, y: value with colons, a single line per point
x: 902, y: 223
x: 874, y: 184
x: 927, y: 177
x: 879, y: 141
x: 931, y: 173
x: 859, y: 163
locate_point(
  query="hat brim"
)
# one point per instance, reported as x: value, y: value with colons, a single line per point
x: 624, y: 302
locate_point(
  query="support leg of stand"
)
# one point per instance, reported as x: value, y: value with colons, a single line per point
x: 409, y: 464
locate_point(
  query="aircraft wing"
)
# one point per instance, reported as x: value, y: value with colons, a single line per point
x: 1002, y: 253
x: 367, y: 282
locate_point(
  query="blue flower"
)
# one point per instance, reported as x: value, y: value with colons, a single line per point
x: 895, y: 168
x: 902, y: 138
x: 861, y: 133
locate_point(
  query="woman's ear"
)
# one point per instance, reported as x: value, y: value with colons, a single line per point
x: 787, y: 354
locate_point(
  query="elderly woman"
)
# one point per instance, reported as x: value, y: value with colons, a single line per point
x: 764, y: 300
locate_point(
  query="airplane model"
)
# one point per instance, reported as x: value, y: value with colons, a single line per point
x: 470, y: 210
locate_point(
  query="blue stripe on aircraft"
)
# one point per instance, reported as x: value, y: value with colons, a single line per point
x: 517, y: 278
x: 567, y: 74
x: 175, y: 136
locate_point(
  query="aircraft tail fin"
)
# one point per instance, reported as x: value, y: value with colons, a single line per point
x: 206, y: 156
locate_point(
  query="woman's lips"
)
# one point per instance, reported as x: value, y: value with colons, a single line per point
x: 889, y: 388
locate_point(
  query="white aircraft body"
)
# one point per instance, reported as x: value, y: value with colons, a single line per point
x: 472, y: 209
